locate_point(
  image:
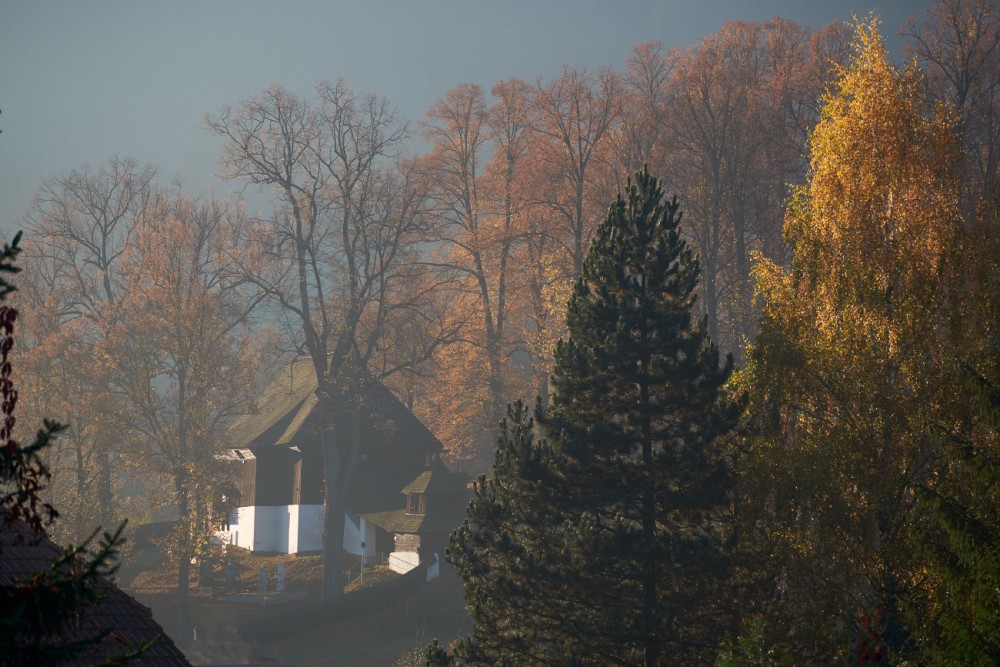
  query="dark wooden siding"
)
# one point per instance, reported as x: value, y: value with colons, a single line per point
x: 393, y: 447
x: 275, y: 475
x: 448, y: 507
x: 243, y: 474
x: 384, y: 542
x: 311, y: 477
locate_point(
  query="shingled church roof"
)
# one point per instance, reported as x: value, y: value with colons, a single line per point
x: 288, y: 405
x: 438, y: 481
x: 280, y: 402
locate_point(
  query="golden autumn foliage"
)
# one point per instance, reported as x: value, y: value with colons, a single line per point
x: 847, y: 374
x: 77, y: 226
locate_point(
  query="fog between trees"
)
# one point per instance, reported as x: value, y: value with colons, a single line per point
x: 152, y: 315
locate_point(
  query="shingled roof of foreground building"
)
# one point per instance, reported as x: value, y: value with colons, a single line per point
x: 23, y: 554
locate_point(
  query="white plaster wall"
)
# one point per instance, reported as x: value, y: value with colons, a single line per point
x: 241, y: 531
x: 283, y: 530
x: 309, y: 529
x: 271, y: 529
x: 292, y: 529
x: 353, y: 534
x: 403, y: 561
x: 368, y: 530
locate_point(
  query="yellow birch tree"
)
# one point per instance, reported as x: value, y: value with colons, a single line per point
x: 847, y: 373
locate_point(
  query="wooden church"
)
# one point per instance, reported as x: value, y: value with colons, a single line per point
x: 275, y: 500
x: 435, y: 503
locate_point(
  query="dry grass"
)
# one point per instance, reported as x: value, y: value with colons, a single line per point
x: 301, y: 572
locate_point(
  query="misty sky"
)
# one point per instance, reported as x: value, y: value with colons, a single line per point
x: 80, y: 81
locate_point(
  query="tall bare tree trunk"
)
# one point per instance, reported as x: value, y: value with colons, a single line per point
x: 105, y: 498
x: 333, y: 519
x: 183, y: 511
x: 341, y: 453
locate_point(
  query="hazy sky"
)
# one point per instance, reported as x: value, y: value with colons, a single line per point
x: 80, y: 81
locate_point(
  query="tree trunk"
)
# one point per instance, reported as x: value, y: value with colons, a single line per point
x: 341, y: 454
x: 333, y: 519
x: 81, y: 471
x: 650, y: 570
x: 742, y: 321
x: 104, y: 494
x: 710, y: 299
x: 543, y: 390
x: 183, y: 510
x: 183, y: 557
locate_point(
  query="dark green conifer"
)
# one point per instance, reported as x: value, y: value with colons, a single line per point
x: 605, y: 544
x: 506, y: 551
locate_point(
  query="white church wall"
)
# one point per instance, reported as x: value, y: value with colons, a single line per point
x: 353, y: 534
x: 291, y: 529
x: 309, y: 529
x: 241, y: 528
x: 403, y: 561
x: 271, y: 529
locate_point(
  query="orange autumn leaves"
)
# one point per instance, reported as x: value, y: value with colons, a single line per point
x: 147, y: 358
x: 519, y: 179
x: 500, y: 210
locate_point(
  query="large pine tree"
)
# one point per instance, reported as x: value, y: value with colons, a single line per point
x: 507, y: 552
x: 604, y: 544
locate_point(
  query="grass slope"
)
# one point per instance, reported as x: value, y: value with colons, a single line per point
x: 381, y: 639
x: 437, y: 610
